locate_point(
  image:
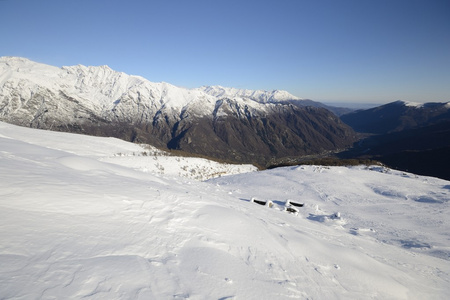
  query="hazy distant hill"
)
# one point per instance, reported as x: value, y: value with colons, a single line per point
x: 397, y: 116
x: 226, y: 123
x: 405, y: 136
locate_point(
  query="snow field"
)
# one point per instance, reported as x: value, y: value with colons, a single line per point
x: 187, y: 167
x: 74, y: 226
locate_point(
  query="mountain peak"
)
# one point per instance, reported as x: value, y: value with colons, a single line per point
x: 420, y: 105
x: 408, y: 103
x: 13, y: 59
x: 261, y: 96
x: 20, y: 62
x: 99, y: 100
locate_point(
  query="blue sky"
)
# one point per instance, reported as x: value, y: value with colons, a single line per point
x: 338, y: 50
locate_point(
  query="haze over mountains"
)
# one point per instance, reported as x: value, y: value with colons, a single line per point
x: 226, y: 123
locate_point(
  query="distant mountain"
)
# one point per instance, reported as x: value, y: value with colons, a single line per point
x: 230, y: 124
x: 397, y: 116
x: 406, y: 136
x: 352, y: 106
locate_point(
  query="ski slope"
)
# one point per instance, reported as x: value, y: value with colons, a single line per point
x: 74, y: 224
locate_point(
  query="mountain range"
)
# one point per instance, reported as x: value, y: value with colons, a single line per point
x: 225, y: 123
x: 85, y: 217
x: 397, y: 116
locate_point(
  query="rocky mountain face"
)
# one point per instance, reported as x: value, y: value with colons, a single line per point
x: 230, y: 124
x: 271, y: 97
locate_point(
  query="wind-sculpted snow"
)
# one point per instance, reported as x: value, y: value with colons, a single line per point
x: 73, y: 226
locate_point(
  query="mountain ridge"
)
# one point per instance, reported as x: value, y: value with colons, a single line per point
x: 397, y: 116
x: 404, y: 135
x: 261, y: 96
x: 101, y: 101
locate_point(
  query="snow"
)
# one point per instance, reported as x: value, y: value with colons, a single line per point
x: 176, y: 166
x: 97, y: 87
x: 413, y: 104
x: 103, y: 90
x: 74, y: 225
x: 139, y: 157
x: 259, y: 96
x: 410, y: 104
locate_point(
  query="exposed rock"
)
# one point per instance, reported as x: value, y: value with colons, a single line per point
x: 100, y: 101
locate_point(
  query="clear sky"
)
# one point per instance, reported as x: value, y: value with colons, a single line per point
x: 338, y: 50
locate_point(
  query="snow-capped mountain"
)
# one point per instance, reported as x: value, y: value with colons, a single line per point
x: 219, y: 122
x: 408, y: 136
x: 258, y: 96
x: 74, y: 226
x: 105, y: 89
x: 275, y: 96
x: 97, y: 88
x: 397, y: 116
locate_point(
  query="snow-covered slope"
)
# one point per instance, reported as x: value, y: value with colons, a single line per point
x: 101, y: 88
x: 136, y: 156
x: 73, y: 226
x: 258, y: 95
x: 98, y: 88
